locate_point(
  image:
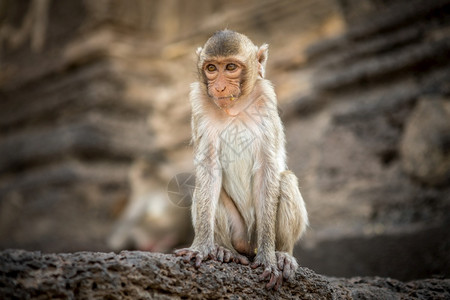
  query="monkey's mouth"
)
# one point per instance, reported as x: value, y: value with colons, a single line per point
x: 225, y: 102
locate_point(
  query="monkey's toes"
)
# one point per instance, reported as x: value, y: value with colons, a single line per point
x: 241, y: 259
x: 275, y: 277
x: 287, y: 264
x: 225, y: 255
x: 222, y: 253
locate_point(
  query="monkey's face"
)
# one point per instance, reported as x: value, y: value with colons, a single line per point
x: 223, y: 80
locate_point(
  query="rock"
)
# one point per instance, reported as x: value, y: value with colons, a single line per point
x: 425, y: 145
x: 143, y: 275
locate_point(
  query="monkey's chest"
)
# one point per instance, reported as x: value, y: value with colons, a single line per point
x: 237, y: 157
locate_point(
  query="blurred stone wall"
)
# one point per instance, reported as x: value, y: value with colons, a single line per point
x: 376, y: 123
x: 94, y: 107
x: 94, y: 114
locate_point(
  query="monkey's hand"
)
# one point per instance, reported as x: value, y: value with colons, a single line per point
x: 287, y: 264
x: 198, y: 253
x: 269, y: 263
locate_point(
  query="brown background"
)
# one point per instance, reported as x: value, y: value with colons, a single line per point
x: 94, y: 113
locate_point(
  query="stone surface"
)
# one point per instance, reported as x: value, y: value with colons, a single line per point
x: 143, y: 275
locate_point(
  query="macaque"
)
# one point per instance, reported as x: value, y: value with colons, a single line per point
x: 246, y: 204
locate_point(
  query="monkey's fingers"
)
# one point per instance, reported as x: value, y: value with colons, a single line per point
x: 279, y: 283
x: 267, y: 272
x: 220, y: 254
x: 182, y: 252
x: 198, y: 260
x: 255, y: 264
x: 188, y: 256
x: 275, y: 280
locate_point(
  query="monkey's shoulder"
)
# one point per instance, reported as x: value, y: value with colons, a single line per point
x: 265, y: 87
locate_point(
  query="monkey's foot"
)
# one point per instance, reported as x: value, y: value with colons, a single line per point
x: 287, y: 264
x: 199, y: 255
x: 226, y: 255
x: 271, y: 272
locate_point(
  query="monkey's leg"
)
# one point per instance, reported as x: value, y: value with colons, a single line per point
x: 231, y: 232
x: 292, y: 220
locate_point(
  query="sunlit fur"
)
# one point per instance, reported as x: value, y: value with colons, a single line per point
x: 245, y: 198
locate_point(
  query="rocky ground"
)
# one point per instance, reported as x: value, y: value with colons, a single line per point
x: 143, y: 275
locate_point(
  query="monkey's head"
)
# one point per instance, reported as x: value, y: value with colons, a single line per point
x: 229, y: 65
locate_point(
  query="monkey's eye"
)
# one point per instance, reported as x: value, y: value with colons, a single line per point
x: 211, y: 68
x: 231, y: 67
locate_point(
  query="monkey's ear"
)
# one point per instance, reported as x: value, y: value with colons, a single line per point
x: 198, y: 51
x: 262, y: 55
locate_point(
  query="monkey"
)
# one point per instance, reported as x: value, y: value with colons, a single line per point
x: 246, y: 204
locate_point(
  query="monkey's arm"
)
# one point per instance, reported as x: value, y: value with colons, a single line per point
x: 205, y: 200
x: 266, y: 192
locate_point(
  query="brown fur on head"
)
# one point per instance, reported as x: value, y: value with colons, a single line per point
x: 229, y: 65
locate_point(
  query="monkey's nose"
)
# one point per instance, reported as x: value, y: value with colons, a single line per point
x: 220, y: 88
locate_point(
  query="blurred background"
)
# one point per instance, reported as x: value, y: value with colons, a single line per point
x: 94, y: 124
